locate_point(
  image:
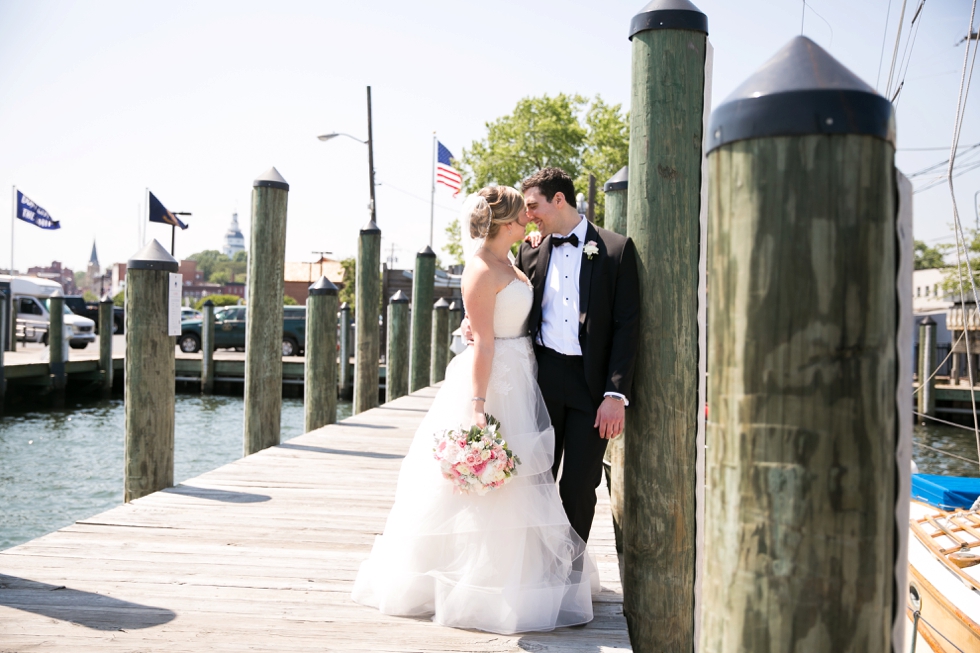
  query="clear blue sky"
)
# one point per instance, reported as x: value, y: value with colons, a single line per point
x: 99, y: 100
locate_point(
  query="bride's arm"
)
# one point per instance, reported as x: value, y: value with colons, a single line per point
x: 479, y: 297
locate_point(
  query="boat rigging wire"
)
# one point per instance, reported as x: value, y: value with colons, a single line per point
x: 958, y: 226
x: 907, y: 54
x: 884, y: 39
x: 898, y: 41
x: 946, y: 453
x: 938, y: 367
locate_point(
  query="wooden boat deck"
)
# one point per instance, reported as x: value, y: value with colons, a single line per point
x: 258, y: 555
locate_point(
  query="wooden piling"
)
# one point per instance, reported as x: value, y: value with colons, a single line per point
x: 926, y: 399
x: 57, y: 347
x: 263, y: 325
x: 344, y: 373
x: 423, y: 286
x: 149, y: 374
x: 368, y: 332
x: 207, y: 347
x: 320, y: 386
x: 669, y: 42
x: 396, y: 380
x: 4, y: 332
x: 106, y: 318
x: 802, y: 432
x: 455, y: 319
x: 615, y: 220
x: 440, y: 341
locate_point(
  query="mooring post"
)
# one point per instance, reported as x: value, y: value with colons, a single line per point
x: 207, y: 347
x: 149, y: 373
x: 660, y: 508
x: 803, y: 428
x: 263, y: 324
x: 368, y: 331
x: 455, y: 319
x: 343, y: 321
x: 954, y: 369
x: 320, y: 386
x: 927, y: 365
x: 106, y: 320
x: 615, y: 220
x: 57, y: 345
x: 440, y: 341
x: 4, y: 330
x: 396, y: 381
x: 423, y: 287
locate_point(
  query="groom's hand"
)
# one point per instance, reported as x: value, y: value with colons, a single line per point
x: 466, y: 331
x: 610, y: 418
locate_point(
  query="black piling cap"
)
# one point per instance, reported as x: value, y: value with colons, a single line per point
x: 399, y: 298
x: 619, y: 181
x: 106, y: 299
x: 271, y: 179
x: 669, y: 14
x: 153, y: 257
x: 208, y: 302
x: 426, y: 252
x: 370, y: 228
x: 454, y: 306
x: 345, y: 306
x: 927, y: 321
x: 801, y: 90
x: 323, y: 287
x: 441, y: 305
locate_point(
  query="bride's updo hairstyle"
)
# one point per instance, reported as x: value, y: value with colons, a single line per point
x: 501, y: 205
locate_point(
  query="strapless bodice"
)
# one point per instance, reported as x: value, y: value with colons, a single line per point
x: 511, y: 310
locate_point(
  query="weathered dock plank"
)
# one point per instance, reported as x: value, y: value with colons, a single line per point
x: 258, y: 555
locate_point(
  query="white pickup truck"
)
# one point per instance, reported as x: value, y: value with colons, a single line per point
x: 30, y: 301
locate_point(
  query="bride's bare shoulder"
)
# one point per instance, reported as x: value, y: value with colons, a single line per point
x: 478, y: 274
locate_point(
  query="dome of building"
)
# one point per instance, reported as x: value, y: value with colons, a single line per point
x: 234, y: 241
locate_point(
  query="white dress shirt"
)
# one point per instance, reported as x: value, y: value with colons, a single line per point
x: 560, y: 302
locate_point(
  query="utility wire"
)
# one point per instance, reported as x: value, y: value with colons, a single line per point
x: 898, y: 41
x: 884, y: 38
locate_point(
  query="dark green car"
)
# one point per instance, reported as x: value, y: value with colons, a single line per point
x: 229, y: 330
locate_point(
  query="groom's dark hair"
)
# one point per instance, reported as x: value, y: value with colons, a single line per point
x: 550, y: 181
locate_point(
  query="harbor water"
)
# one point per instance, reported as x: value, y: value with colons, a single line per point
x: 57, y: 467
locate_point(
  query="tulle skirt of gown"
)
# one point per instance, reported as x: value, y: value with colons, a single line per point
x: 505, y: 562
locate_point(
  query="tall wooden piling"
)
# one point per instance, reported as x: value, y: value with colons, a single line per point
x: 368, y: 332
x: 320, y: 387
x: 106, y: 319
x: 263, y: 325
x: 802, y: 432
x: 669, y: 42
x: 423, y: 287
x: 396, y: 380
x: 440, y: 341
x: 455, y: 319
x: 926, y: 399
x: 4, y: 332
x: 615, y: 220
x: 57, y: 344
x: 149, y: 373
x: 207, y: 347
x: 344, y: 372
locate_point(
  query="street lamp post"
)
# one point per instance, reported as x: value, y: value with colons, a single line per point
x: 370, y: 144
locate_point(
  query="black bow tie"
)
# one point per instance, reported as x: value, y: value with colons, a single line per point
x: 558, y: 241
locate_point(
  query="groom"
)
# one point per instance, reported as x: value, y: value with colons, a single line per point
x: 583, y: 324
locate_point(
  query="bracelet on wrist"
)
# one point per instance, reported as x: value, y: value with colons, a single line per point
x: 483, y: 399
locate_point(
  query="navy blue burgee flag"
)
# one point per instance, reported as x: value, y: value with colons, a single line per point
x: 159, y: 213
x: 29, y: 211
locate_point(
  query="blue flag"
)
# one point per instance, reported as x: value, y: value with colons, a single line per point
x: 29, y: 211
x: 159, y: 213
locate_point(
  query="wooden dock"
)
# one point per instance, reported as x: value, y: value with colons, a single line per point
x: 258, y: 555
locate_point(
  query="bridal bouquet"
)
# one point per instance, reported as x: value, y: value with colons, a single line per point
x: 475, y: 460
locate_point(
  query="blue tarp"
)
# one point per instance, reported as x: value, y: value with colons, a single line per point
x: 945, y: 492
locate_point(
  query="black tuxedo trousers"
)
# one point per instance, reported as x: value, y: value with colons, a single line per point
x: 577, y: 442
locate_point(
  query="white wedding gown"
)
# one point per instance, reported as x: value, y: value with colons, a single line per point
x: 505, y: 562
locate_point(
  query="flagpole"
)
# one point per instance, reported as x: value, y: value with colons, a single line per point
x: 13, y: 219
x: 432, y: 201
x: 173, y: 238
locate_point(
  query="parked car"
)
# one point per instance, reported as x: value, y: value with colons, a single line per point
x: 30, y: 300
x: 187, y: 313
x: 79, y: 306
x: 229, y: 330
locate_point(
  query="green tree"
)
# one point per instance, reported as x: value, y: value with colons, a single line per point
x: 120, y: 299
x: 81, y: 279
x: 240, y: 257
x: 218, y: 300
x: 220, y: 276
x: 346, y: 293
x: 454, y: 242
x: 289, y: 301
x: 207, y: 261
x: 927, y: 258
x: 565, y: 131
x: 89, y: 296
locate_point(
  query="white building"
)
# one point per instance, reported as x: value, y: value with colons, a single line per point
x: 928, y: 294
x: 234, y: 241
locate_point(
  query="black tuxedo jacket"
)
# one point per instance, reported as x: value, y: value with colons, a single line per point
x: 609, y: 308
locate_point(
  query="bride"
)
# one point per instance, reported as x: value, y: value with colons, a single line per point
x: 508, y: 561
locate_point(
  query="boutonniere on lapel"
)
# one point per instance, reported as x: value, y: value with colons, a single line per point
x: 591, y: 249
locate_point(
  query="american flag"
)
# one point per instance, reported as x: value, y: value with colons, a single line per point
x: 446, y: 174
